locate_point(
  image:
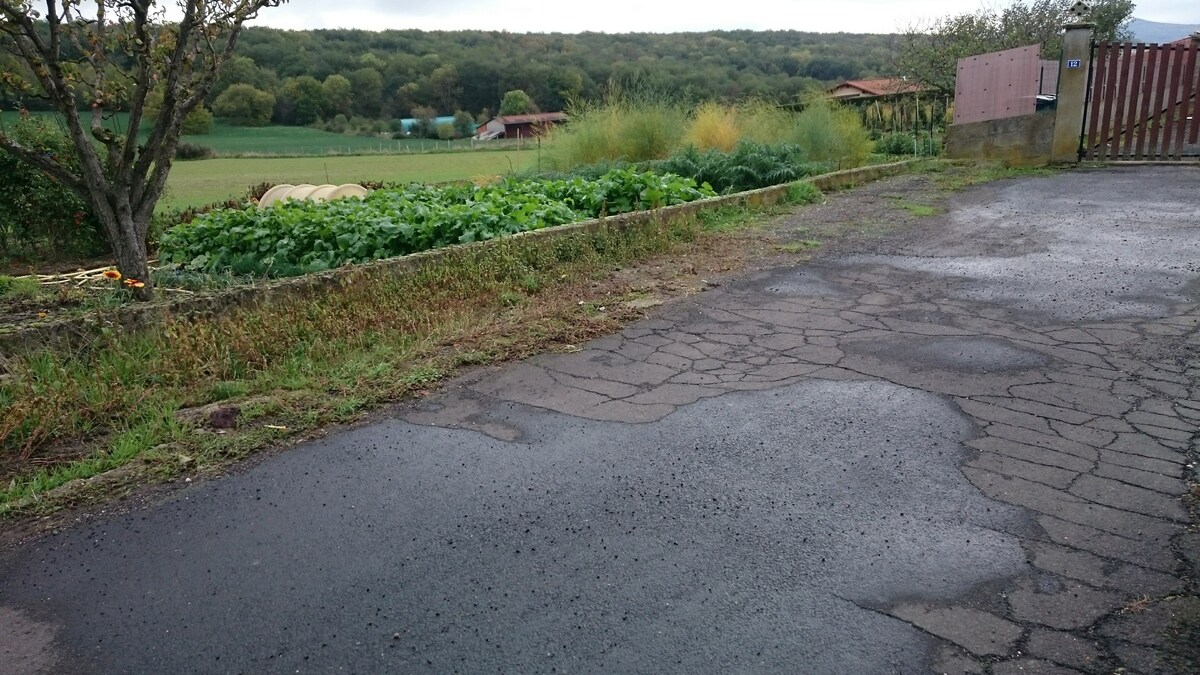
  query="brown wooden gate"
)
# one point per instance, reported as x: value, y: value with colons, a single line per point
x: 1142, y: 102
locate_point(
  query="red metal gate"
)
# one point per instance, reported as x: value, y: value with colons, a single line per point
x: 1142, y: 102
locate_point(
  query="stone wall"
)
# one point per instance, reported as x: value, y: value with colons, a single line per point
x: 1015, y: 141
x: 81, y: 329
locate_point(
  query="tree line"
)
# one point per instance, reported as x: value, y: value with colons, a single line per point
x: 388, y: 74
x: 301, y: 77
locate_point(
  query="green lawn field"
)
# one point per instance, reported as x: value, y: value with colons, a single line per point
x: 229, y: 140
x: 226, y: 139
x: 213, y: 180
x: 303, y: 155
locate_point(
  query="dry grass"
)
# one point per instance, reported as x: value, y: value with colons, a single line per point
x: 1137, y: 605
x: 636, y: 128
x: 713, y: 126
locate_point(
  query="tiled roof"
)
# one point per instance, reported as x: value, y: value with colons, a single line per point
x: 535, y: 118
x: 884, y: 86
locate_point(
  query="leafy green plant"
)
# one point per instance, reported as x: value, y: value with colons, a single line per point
x: 18, y: 287
x: 804, y: 193
x: 906, y: 143
x: 750, y: 166
x: 298, y: 237
x: 832, y: 133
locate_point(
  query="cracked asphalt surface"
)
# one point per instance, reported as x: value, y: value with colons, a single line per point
x: 965, y: 445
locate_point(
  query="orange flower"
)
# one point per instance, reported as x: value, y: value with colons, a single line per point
x: 112, y: 274
x: 137, y: 284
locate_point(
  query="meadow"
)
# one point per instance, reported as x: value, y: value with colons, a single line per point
x: 197, y: 183
x: 228, y: 140
x: 249, y: 156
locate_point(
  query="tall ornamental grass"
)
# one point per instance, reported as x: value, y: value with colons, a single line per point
x: 623, y: 126
x: 640, y: 127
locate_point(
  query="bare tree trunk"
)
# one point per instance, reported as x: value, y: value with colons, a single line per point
x: 127, y: 241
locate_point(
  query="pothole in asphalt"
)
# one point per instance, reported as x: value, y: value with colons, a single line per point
x: 802, y: 282
x: 972, y: 354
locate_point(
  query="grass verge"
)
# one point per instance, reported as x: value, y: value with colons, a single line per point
x: 956, y: 177
x: 121, y: 412
x: 129, y: 401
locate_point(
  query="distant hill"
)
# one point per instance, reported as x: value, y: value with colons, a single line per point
x: 1154, y: 31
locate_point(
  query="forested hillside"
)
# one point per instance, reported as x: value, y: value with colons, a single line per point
x: 385, y: 75
x: 394, y: 71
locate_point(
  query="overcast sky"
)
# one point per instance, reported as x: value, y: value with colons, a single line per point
x: 624, y: 16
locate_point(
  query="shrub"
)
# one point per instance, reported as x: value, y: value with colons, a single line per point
x: 632, y: 127
x: 764, y: 122
x: 39, y: 216
x: 189, y: 151
x: 338, y: 125
x: 749, y: 167
x: 713, y: 127
x: 906, y: 143
x: 831, y: 133
x: 446, y: 131
x: 643, y: 127
x: 244, y: 105
x: 199, y: 121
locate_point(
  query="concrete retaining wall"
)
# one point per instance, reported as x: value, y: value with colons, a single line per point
x: 80, y: 329
x: 1016, y: 141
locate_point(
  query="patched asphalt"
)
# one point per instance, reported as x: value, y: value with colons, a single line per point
x: 965, y: 444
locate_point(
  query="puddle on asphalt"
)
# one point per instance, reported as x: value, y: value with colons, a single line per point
x: 803, y: 282
x: 971, y: 354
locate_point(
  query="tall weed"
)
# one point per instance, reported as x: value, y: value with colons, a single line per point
x: 832, y: 133
x: 624, y: 126
x: 632, y: 128
x: 714, y: 127
x: 764, y: 122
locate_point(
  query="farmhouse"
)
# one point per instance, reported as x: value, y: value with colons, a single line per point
x: 519, y: 126
x: 853, y: 90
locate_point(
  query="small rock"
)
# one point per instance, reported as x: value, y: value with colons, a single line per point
x: 225, y: 417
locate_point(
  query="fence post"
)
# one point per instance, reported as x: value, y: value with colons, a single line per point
x: 1071, y: 105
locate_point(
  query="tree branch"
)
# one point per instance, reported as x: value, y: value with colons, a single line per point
x: 163, y: 125
x: 44, y: 162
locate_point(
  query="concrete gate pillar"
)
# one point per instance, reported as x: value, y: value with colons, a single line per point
x: 1070, y: 108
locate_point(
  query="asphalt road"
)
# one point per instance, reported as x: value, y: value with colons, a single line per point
x: 964, y: 444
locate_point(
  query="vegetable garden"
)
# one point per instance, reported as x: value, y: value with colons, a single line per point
x: 297, y: 237
x: 306, y: 359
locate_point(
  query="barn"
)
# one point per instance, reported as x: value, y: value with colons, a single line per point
x: 519, y: 126
x: 851, y: 90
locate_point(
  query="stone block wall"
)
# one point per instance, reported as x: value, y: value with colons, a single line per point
x: 1016, y: 141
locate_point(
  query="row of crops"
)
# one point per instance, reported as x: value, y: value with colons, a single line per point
x: 297, y: 237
